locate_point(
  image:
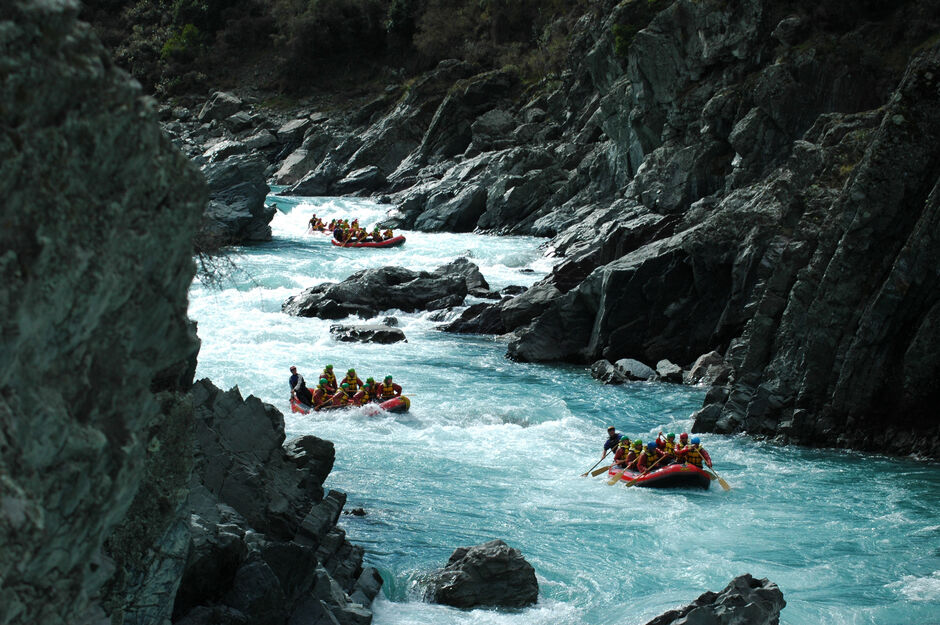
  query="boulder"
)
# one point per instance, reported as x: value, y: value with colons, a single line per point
x: 220, y: 106
x: 236, y: 212
x: 476, y: 283
x: 240, y: 121
x: 375, y: 333
x: 744, y: 600
x: 669, y: 372
x: 224, y: 149
x: 489, y: 575
x: 706, y: 369
x: 607, y: 373
x: 368, y: 292
x: 453, y: 213
x: 293, y: 130
x: 482, y: 318
x: 634, y: 369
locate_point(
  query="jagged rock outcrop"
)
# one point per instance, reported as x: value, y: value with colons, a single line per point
x: 236, y: 212
x: 743, y: 600
x: 263, y: 543
x: 98, y: 215
x: 368, y: 292
x: 844, y: 337
x: 492, y: 574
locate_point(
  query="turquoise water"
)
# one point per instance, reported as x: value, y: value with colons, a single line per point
x: 494, y: 449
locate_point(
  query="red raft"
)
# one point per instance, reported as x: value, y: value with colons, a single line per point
x: 393, y: 242
x: 395, y: 404
x: 670, y: 476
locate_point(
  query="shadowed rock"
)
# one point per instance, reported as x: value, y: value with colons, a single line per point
x: 376, y: 333
x: 492, y: 574
x: 743, y: 601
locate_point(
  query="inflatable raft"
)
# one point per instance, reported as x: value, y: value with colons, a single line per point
x: 670, y: 476
x: 393, y: 242
x: 395, y: 404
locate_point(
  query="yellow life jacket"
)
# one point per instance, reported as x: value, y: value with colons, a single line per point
x: 669, y: 447
x: 387, y: 234
x: 330, y: 378
x: 344, y: 399
x: 693, y: 456
x: 353, y: 385
x: 365, y: 394
x: 388, y: 390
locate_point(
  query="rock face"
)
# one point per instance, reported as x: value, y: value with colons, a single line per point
x: 744, y: 600
x: 263, y: 543
x: 492, y: 574
x: 236, y: 211
x: 98, y: 213
x: 368, y: 292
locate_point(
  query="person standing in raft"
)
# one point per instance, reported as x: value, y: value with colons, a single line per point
x: 298, y: 387
x: 696, y: 454
x: 390, y: 389
x: 330, y: 378
x: 613, y: 439
x: 352, y: 380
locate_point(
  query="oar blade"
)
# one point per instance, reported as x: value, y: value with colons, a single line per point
x: 723, y: 483
x: 597, y: 472
x: 616, y: 478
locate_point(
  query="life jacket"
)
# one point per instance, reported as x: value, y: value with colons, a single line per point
x: 694, y: 456
x: 669, y: 447
x: 353, y: 385
x: 330, y: 378
x: 387, y: 234
x: 388, y: 390
x: 343, y: 399
x: 365, y: 394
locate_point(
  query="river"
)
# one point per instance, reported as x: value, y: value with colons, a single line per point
x: 494, y: 449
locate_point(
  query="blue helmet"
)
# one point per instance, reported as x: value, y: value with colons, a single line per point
x: 651, y: 446
x: 696, y: 440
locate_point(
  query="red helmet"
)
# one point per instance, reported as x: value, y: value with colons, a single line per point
x: 683, y: 436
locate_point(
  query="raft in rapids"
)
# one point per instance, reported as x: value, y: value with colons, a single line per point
x: 670, y: 476
x: 395, y: 404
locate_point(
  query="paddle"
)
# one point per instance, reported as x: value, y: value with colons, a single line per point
x: 721, y: 480
x: 597, y: 472
x: 637, y: 478
x: 596, y: 463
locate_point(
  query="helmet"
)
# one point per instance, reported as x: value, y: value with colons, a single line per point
x: 388, y: 377
x: 369, y: 380
x: 624, y: 442
x: 324, y: 381
x: 650, y: 446
x: 328, y: 367
x: 683, y: 436
x: 609, y: 428
x: 350, y: 370
x: 638, y: 444
x: 670, y: 436
x: 345, y: 385
x: 696, y: 440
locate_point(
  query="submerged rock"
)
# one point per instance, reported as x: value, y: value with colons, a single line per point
x: 489, y: 575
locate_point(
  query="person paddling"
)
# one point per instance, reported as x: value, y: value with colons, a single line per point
x: 323, y: 394
x: 330, y: 377
x: 650, y: 456
x: 341, y: 397
x: 352, y: 380
x: 390, y: 389
x: 298, y: 387
x: 696, y: 454
x: 623, y: 450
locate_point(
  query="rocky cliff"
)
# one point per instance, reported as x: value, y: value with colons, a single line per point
x: 127, y: 494
x: 98, y: 210
x: 749, y: 177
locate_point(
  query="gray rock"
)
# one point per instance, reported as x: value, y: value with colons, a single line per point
x: 224, y: 149
x: 236, y: 212
x: 476, y: 283
x: 220, y: 106
x: 744, y: 600
x: 669, y: 372
x: 366, y: 293
x: 607, y: 373
x: 699, y: 372
x: 293, y: 130
x: 634, y: 369
x: 480, y: 318
x: 240, y: 121
x: 376, y: 333
x: 260, y: 140
x: 491, y: 574
x: 364, y: 179
x: 109, y: 237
